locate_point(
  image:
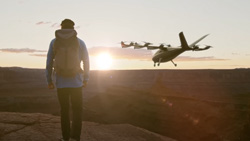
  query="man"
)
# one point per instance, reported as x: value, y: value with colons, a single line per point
x: 65, y: 54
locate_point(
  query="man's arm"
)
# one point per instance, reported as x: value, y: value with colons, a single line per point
x: 85, y: 59
x: 49, y: 65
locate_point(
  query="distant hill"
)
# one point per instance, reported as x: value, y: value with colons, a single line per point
x: 191, y: 82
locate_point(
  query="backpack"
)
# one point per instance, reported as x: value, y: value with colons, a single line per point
x: 66, y: 60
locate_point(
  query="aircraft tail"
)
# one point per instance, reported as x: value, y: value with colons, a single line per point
x: 184, y: 44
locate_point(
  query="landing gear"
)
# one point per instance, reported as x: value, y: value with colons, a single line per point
x: 173, y: 63
x: 159, y: 62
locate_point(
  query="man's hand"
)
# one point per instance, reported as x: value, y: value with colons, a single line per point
x: 84, y: 84
x: 51, y: 86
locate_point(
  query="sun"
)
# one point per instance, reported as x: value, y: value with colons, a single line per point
x: 104, y: 61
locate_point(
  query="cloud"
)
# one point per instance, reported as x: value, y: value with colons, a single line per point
x: 38, y: 55
x: 234, y: 53
x: 22, y: 1
x: 42, y: 22
x: 21, y: 50
x: 53, y: 25
x: 116, y: 53
x: 240, y: 54
x: 123, y: 53
x: 206, y: 58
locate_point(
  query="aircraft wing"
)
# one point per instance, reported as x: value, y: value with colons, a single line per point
x: 138, y: 47
x: 152, y: 47
x: 194, y: 43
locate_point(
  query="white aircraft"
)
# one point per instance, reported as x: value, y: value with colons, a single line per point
x: 166, y: 52
x: 136, y: 45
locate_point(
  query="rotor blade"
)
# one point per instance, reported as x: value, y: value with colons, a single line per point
x: 194, y: 43
x: 146, y: 42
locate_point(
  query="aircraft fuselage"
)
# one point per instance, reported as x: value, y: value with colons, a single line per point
x: 167, y: 55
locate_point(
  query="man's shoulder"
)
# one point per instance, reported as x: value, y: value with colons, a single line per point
x: 53, y: 40
x: 82, y: 43
x: 80, y: 40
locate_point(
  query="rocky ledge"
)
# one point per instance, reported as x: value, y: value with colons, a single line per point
x: 44, y: 127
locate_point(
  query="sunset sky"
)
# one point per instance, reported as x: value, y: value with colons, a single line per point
x: 28, y: 26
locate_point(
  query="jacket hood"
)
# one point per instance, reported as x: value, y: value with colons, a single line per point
x: 65, y: 33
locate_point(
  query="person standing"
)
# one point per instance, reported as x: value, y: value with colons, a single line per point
x: 65, y: 54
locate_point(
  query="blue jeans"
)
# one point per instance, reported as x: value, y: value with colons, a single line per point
x: 70, y: 97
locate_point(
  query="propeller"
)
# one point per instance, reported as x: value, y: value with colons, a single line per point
x: 127, y: 41
x: 164, y: 44
x: 135, y: 43
x: 208, y: 46
x: 197, y: 47
x: 124, y: 44
x: 147, y: 43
